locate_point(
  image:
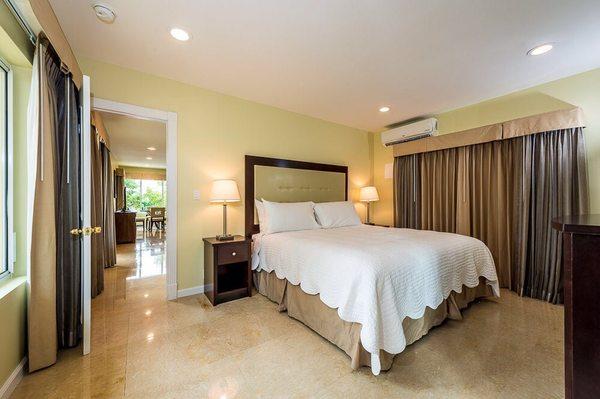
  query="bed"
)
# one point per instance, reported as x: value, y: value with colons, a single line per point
x: 369, y: 290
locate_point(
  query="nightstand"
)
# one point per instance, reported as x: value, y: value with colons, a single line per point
x: 227, y: 274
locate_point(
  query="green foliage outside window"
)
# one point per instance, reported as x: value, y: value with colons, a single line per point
x: 144, y: 194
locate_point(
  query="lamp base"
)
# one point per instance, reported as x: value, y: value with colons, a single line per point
x: 226, y: 237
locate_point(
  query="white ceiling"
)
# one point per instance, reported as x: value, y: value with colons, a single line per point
x: 340, y: 60
x: 130, y: 137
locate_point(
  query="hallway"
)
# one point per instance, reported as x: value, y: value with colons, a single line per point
x: 134, y: 295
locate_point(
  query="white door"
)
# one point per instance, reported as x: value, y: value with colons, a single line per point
x: 86, y: 215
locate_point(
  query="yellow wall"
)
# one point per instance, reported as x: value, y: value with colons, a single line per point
x: 215, y: 131
x: 582, y: 90
x: 13, y: 298
x: 13, y: 331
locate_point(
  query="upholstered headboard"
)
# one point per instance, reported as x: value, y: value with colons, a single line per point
x: 284, y: 180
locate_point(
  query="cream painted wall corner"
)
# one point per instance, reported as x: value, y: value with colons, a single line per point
x: 582, y: 90
x: 215, y: 131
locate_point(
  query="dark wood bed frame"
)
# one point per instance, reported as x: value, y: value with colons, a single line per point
x: 252, y: 161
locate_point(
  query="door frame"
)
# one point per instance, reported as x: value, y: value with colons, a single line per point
x: 170, y: 119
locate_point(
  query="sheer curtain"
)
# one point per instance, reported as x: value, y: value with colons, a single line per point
x: 504, y: 193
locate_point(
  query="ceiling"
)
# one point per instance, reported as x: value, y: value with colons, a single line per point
x: 130, y: 137
x: 340, y: 60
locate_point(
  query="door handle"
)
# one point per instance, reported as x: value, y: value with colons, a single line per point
x: 87, y: 231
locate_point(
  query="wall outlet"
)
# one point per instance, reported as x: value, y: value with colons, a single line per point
x: 196, y: 195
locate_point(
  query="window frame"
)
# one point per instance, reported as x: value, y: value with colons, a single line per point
x: 6, y: 158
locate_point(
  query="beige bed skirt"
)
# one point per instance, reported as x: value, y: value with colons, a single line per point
x: 346, y: 335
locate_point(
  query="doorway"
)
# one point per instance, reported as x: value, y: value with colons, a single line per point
x: 143, y: 189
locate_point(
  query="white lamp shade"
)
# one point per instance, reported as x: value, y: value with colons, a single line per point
x: 369, y: 194
x: 224, y: 191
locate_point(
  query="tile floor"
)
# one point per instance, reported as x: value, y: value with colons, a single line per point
x: 146, y: 347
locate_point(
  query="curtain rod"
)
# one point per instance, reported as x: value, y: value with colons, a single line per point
x: 21, y: 20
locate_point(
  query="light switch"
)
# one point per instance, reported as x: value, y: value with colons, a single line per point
x: 196, y: 195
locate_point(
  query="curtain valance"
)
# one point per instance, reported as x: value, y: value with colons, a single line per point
x: 45, y: 17
x: 145, y: 173
x: 98, y: 123
x: 554, y: 120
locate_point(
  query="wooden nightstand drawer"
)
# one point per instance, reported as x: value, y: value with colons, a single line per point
x: 232, y: 253
x: 227, y: 273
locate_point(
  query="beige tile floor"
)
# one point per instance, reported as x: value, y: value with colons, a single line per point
x: 146, y: 347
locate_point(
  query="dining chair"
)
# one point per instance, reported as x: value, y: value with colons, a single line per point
x: 157, y: 217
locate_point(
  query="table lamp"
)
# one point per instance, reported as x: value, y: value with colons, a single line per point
x: 224, y: 191
x: 368, y: 194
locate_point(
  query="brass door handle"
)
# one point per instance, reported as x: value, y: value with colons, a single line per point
x: 87, y: 231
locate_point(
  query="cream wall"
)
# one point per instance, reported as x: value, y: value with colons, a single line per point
x: 582, y: 90
x: 13, y: 301
x: 13, y: 332
x: 215, y: 131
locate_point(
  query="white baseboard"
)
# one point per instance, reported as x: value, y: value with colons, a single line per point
x: 13, y: 380
x: 199, y: 289
x: 171, y: 292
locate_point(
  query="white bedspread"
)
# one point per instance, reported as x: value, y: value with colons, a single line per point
x: 376, y: 276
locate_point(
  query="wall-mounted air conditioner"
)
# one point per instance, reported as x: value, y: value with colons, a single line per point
x: 412, y: 131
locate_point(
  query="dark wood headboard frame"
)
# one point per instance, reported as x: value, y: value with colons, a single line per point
x: 252, y: 161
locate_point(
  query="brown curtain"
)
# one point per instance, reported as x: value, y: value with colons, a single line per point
x: 485, y: 199
x: 504, y: 193
x: 108, y: 215
x: 41, y: 312
x: 438, y: 190
x: 407, y: 191
x: 98, y: 255
x: 554, y: 183
x: 67, y: 177
x: 119, y: 187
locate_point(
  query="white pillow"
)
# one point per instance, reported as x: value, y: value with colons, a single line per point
x: 262, y: 216
x: 289, y: 216
x: 336, y: 214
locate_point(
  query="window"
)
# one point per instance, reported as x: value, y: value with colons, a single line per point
x: 5, y: 118
x: 144, y: 194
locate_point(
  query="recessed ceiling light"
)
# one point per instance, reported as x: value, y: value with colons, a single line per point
x: 384, y: 109
x: 104, y: 13
x: 180, y: 34
x: 151, y: 148
x: 149, y: 158
x: 539, y: 50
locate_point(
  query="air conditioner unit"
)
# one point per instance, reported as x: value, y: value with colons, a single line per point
x: 412, y: 131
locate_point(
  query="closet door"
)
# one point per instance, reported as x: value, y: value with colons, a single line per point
x: 86, y: 213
